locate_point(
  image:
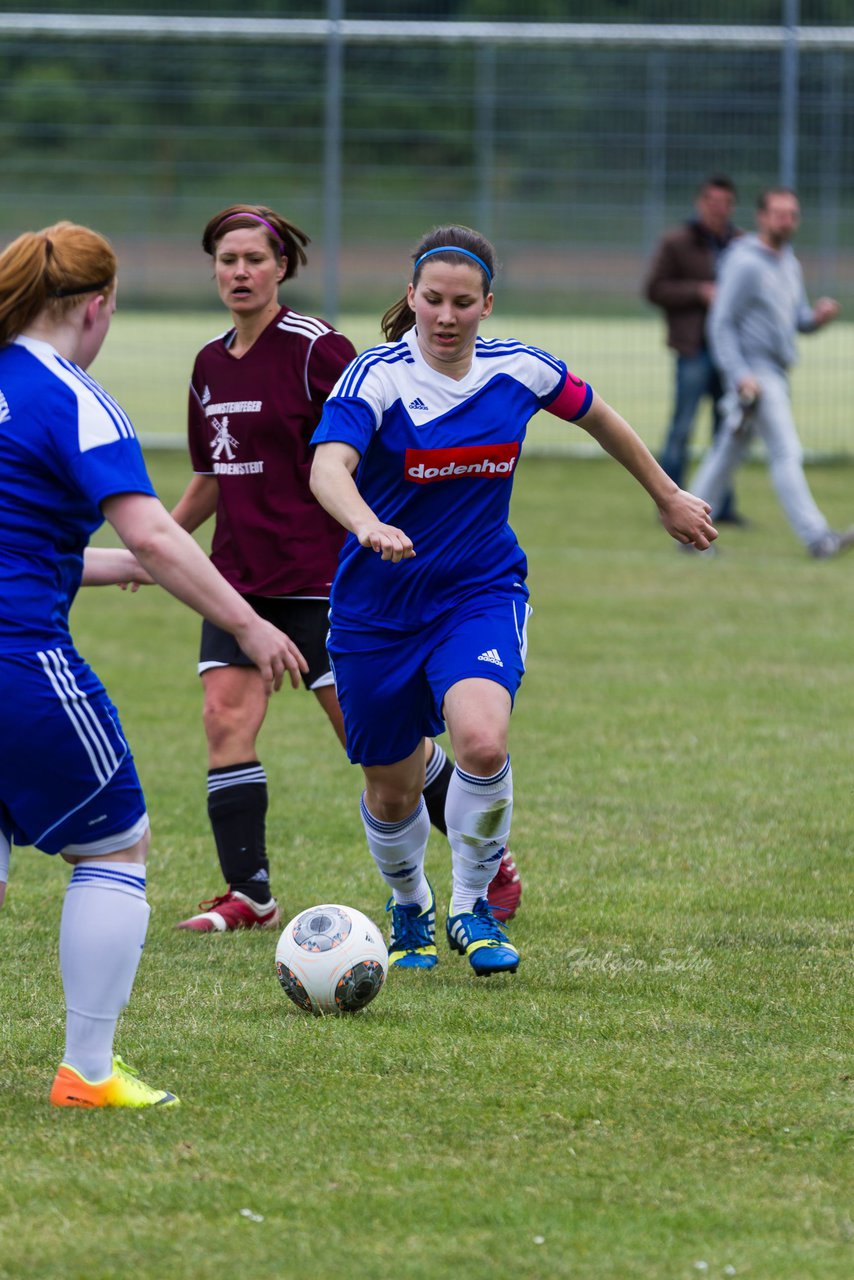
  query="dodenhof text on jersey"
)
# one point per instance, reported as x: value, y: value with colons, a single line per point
x: 494, y: 461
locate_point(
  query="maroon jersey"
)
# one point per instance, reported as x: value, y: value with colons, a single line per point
x: 250, y: 423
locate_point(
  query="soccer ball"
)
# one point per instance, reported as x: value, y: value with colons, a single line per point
x: 331, y: 959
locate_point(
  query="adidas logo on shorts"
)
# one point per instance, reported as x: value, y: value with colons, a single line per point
x: 491, y: 655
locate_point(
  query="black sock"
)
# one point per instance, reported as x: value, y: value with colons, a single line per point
x: 440, y: 770
x: 237, y: 808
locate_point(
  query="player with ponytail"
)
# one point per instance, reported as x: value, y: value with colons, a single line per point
x: 415, y: 456
x: 69, y: 459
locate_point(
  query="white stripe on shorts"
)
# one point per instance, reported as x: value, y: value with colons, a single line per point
x: 89, y: 730
x: 523, y: 633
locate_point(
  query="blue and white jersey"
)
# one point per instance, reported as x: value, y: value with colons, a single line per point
x: 65, y: 446
x: 437, y: 461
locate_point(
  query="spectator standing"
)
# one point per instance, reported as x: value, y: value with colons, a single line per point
x: 759, y: 307
x: 681, y: 281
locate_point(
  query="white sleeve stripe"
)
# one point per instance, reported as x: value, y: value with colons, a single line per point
x: 112, y: 407
x: 363, y: 364
x: 492, y: 348
x: 306, y: 325
x: 220, y: 337
x: 305, y: 367
x: 100, y: 419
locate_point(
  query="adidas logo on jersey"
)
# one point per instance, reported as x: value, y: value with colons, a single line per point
x: 418, y: 403
x: 491, y: 655
x: 5, y: 412
x: 206, y: 395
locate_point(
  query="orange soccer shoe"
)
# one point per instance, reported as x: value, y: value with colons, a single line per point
x: 122, y: 1089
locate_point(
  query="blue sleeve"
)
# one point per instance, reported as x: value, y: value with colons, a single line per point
x: 347, y: 421
x: 113, y: 468
x: 95, y: 439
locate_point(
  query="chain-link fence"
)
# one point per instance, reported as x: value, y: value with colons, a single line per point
x: 571, y: 145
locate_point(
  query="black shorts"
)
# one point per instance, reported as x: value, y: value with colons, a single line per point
x: 305, y: 620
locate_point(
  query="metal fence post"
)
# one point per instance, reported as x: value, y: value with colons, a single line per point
x: 789, y: 95
x: 831, y: 169
x: 484, y: 137
x: 332, y: 159
x: 655, y: 145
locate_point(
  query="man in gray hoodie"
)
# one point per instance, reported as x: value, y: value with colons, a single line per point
x: 759, y: 305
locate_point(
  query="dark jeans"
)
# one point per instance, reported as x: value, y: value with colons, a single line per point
x: 696, y: 378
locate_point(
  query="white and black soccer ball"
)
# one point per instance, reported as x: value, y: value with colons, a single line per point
x: 331, y: 959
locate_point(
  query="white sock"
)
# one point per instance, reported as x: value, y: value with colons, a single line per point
x: 398, y: 849
x: 101, y: 936
x: 479, y: 813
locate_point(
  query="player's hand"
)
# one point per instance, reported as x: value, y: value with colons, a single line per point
x: 272, y: 652
x: 825, y: 310
x: 388, y: 542
x: 688, y: 520
x: 140, y: 579
x: 748, y: 389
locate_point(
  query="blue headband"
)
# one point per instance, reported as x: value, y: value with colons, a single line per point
x: 453, y: 248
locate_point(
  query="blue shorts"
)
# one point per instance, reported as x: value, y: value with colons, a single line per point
x: 392, y: 684
x: 67, y: 776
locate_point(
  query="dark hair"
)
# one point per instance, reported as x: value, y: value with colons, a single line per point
x: 762, y: 198
x: 400, y: 318
x: 51, y: 270
x: 719, y: 180
x: 284, y: 238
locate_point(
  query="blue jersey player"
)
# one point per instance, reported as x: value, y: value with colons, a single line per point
x: 415, y: 455
x: 69, y: 458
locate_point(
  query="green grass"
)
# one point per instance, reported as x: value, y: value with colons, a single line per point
x: 666, y: 1082
x: 149, y: 356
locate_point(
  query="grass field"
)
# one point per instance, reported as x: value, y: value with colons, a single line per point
x: 663, y: 1091
x: 148, y: 359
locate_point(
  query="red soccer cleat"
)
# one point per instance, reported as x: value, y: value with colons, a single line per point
x: 233, y: 911
x: 505, y: 891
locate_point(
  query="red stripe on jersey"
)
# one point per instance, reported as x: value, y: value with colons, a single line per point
x: 492, y: 461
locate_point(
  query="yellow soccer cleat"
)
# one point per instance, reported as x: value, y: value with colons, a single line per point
x: 122, y: 1089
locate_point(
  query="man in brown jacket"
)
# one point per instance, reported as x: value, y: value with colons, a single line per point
x: 681, y: 280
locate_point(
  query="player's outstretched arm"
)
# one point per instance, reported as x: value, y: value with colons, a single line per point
x: 176, y: 561
x: 116, y: 566
x: 113, y: 567
x: 197, y: 503
x: 686, y: 518
x: 333, y: 485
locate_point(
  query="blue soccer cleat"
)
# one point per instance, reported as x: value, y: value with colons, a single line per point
x: 476, y: 934
x: 412, y: 943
